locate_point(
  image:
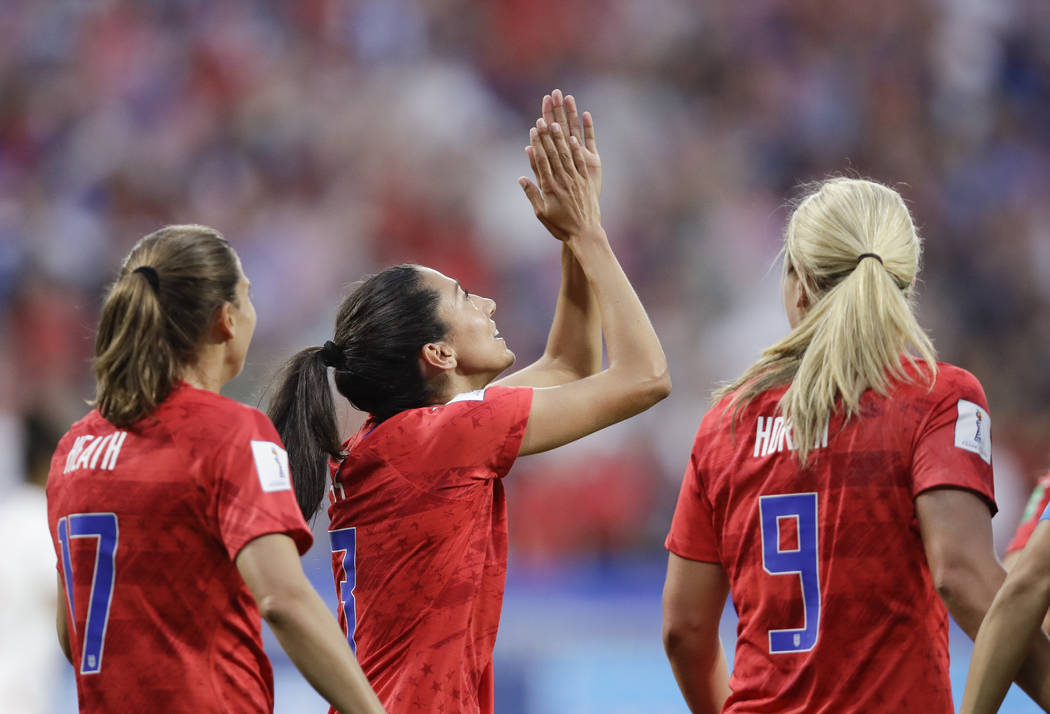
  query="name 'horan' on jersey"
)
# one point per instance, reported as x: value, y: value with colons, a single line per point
x: 773, y: 435
x: 91, y: 452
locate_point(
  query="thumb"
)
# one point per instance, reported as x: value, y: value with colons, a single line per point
x: 532, y: 192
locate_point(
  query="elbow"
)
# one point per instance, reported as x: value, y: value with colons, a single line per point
x: 278, y: 608
x: 679, y: 637
x: 656, y: 387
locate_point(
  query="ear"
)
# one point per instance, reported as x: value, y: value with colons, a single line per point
x: 223, y: 328
x: 801, y: 296
x: 438, y: 356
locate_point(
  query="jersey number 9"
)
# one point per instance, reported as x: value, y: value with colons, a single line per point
x: 802, y: 561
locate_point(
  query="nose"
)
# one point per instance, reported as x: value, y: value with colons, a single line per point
x: 490, y: 306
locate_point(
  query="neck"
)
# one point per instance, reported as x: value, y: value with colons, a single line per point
x: 458, y: 384
x: 207, y: 371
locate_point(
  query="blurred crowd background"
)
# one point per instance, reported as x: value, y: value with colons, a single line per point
x: 328, y: 139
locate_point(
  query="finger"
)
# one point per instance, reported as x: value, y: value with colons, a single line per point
x: 538, y: 155
x: 589, y: 139
x: 579, y: 160
x: 547, y: 109
x: 532, y: 192
x: 572, y: 117
x: 550, y: 151
x: 559, y: 111
x: 560, y: 147
x: 532, y: 160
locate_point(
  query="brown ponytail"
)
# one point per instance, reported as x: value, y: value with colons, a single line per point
x: 155, y: 317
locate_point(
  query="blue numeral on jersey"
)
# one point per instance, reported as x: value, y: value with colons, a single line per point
x: 801, y: 561
x: 345, y: 541
x: 102, y: 526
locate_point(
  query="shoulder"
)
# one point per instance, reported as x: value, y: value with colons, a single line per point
x: 952, y: 384
x: 490, y: 401
x: 212, y: 411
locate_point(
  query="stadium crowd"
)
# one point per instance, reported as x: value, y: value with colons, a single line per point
x: 327, y: 140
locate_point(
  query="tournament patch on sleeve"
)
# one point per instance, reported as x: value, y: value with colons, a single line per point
x: 973, y: 430
x: 271, y: 464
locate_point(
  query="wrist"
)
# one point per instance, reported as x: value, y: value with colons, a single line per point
x: 588, y: 236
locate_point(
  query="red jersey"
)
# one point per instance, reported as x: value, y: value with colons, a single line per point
x: 146, y: 523
x: 419, y: 548
x: 837, y: 611
x: 1037, y: 505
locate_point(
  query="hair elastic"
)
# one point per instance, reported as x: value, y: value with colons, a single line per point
x: 876, y: 256
x: 151, y: 276
x: 331, y: 355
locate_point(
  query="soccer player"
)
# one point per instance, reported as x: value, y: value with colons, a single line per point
x: 1036, y: 506
x: 840, y: 488
x: 1016, y: 613
x: 418, y: 516
x: 171, y: 507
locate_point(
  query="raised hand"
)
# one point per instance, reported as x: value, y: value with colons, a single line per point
x: 566, y: 197
x: 560, y: 110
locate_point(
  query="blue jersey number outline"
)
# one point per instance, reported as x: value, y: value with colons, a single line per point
x: 105, y: 528
x: 802, y: 561
x: 344, y: 540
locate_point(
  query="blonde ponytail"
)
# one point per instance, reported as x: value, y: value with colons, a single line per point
x: 854, y: 247
x: 155, y: 317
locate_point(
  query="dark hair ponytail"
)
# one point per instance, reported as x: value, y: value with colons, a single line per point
x: 155, y: 316
x: 304, y: 414
x: 379, y: 332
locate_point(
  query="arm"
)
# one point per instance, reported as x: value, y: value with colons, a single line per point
x: 60, y: 621
x: 574, y: 344
x: 303, y: 624
x: 956, y: 529
x: 694, y: 595
x: 1010, y: 561
x: 637, y: 375
x: 1011, y: 629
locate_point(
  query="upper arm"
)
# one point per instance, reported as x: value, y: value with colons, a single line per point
x: 568, y: 412
x: 694, y: 595
x: 545, y: 372
x: 956, y: 528
x: 270, y: 567
x: 956, y: 533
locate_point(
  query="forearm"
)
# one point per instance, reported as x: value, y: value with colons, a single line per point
x: 575, y: 339
x: 630, y: 339
x: 1002, y: 653
x: 312, y: 639
x: 702, y: 674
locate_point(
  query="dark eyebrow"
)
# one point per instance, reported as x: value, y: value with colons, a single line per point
x: 462, y: 289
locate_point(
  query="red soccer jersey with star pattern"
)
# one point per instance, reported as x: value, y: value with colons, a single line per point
x: 419, y: 548
x: 147, y: 522
x: 1033, y: 511
x: 837, y: 611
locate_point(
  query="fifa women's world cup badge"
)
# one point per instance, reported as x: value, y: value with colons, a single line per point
x: 973, y: 430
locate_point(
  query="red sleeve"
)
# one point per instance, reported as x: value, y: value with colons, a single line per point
x: 692, y: 532
x: 954, y: 448
x: 253, y: 494
x: 476, y: 436
x: 1037, y: 503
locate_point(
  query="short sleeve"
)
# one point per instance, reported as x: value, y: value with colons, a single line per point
x: 476, y: 436
x: 692, y: 533
x: 1034, y: 511
x: 953, y: 448
x: 252, y: 485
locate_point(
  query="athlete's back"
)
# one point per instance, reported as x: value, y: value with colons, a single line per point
x: 147, y: 522
x: 826, y: 563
